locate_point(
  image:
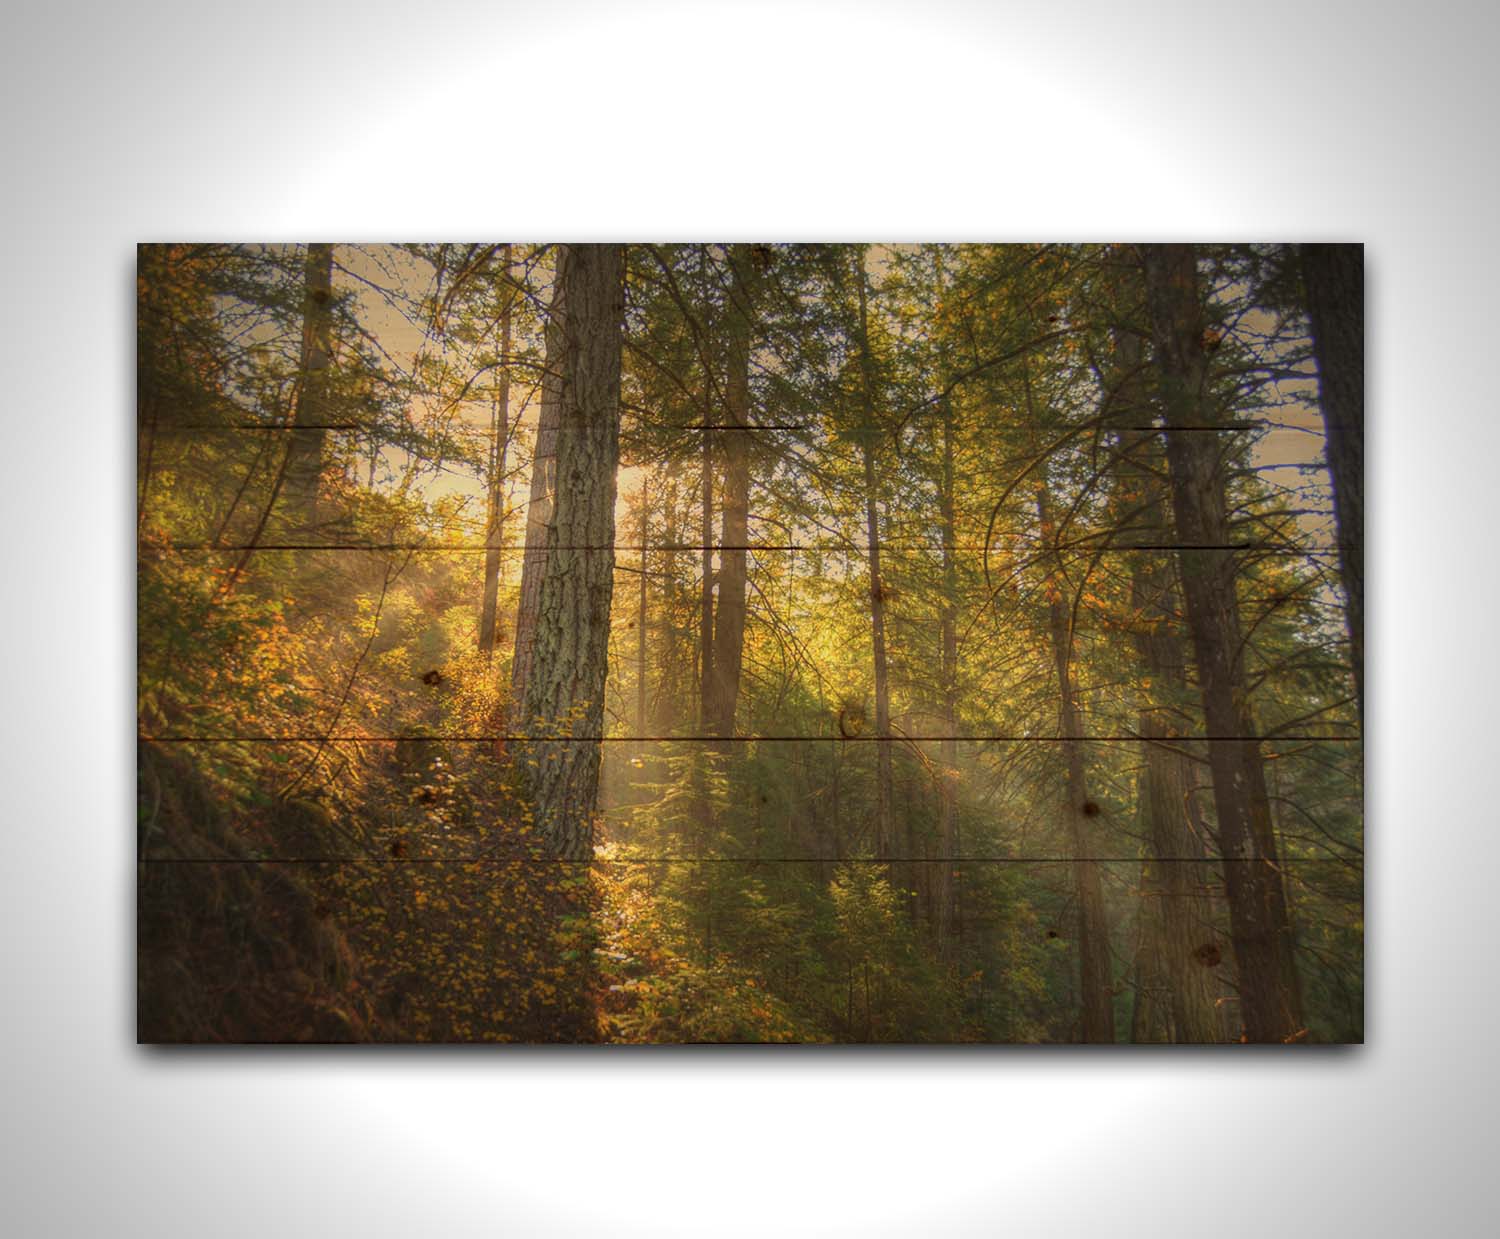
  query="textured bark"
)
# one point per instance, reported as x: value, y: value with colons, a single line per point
x: 304, y: 460
x: 494, y: 530
x: 1270, y: 999
x: 729, y: 616
x: 1150, y: 1014
x: 1180, y: 877
x: 1095, y: 980
x: 1179, y: 943
x: 706, y: 584
x: 565, y: 690
x: 640, y: 620
x: 1334, y: 276
x: 543, y: 487
x: 883, y: 769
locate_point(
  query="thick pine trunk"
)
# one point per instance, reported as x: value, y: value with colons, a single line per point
x: 729, y: 618
x: 1270, y: 999
x: 494, y: 526
x: 1179, y: 949
x: 1093, y: 930
x: 1334, y: 276
x: 304, y: 459
x: 565, y: 690
x: 543, y: 488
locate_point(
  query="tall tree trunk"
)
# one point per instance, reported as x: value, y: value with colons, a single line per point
x: 702, y: 800
x: 1150, y: 1020
x: 729, y: 619
x: 1334, y: 276
x: 1173, y: 822
x: 640, y: 619
x: 543, y: 486
x: 1270, y: 998
x: 494, y: 528
x: 1180, y: 948
x: 1095, y: 982
x: 706, y: 585
x: 669, y: 679
x: 565, y: 691
x: 304, y: 460
x: 883, y: 770
x: 948, y: 675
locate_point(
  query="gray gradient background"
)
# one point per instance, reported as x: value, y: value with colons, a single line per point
x: 1058, y: 121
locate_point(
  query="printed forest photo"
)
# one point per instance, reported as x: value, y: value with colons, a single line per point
x: 750, y: 642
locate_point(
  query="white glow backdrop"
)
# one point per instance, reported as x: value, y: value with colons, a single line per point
x: 576, y: 120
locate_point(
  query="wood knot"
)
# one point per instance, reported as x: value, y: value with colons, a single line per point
x: 851, y: 720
